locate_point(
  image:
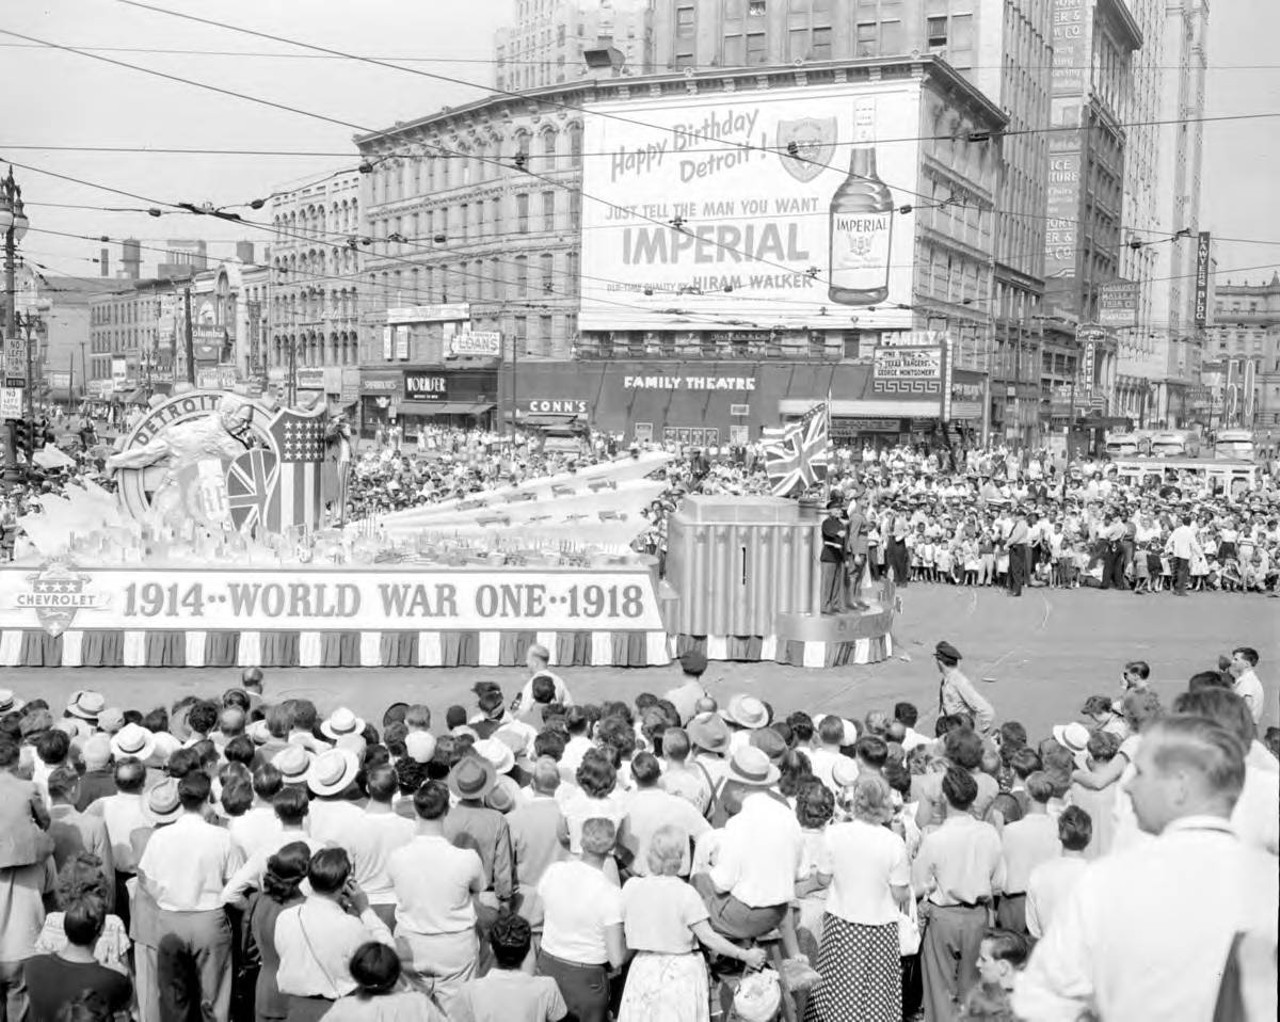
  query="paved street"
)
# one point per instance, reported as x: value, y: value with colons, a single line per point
x: 1045, y: 652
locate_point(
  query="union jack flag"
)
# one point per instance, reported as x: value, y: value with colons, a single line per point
x: 251, y: 491
x: 796, y: 455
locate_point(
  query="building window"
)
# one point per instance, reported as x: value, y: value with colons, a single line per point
x: 684, y: 60
x: 735, y: 50
x: 685, y: 22
x: 821, y: 49
x: 756, y: 8
x: 547, y: 264
x: 522, y: 213
x: 548, y: 211
x: 733, y: 8
x: 757, y: 51
x: 798, y: 43
x: 867, y: 39
x: 937, y: 31
x: 522, y: 276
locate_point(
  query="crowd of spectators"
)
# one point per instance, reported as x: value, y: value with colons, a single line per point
x: 535, y: 858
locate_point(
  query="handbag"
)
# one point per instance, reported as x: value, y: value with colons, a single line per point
x: 909, y: 929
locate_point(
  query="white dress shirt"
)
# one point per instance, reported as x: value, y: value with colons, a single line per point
x: 1050, y: 882
x: 255, y: 830
x: 761, y: 853
x: 249, y: 876
x: 1249, y: 688
x: 434, y: 883
x: 370, y: 848
x: 1025, y: 844
x: 1144, y: 934
x: 647, y: 810
x: 315, y: 942
x: 1256, y: 817
x: 334, y: 821
x: 123, y: 813
x: 188, y: 863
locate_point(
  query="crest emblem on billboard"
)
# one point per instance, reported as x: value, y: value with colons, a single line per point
x: 806, y: 146
x: 58, y: 591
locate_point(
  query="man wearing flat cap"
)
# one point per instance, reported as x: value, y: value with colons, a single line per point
x: 956, y: 693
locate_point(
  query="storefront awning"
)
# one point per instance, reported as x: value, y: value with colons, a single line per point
x: 426, y: 409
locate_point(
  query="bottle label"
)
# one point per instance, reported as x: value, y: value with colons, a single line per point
x: 860, y: 244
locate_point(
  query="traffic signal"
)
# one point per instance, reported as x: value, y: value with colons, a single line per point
x: 42, y: 434
x: 21, y: 434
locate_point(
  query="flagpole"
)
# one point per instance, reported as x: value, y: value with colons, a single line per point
x: 826, y: 496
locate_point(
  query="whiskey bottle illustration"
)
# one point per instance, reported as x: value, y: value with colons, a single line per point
x: 861, y: 221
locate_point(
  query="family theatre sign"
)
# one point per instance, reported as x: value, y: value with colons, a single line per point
x: 688, y: 383
x: 62, y: 597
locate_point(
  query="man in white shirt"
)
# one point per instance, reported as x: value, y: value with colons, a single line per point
x: 334, y: 818
x: 1052, y: 880
x: 908, y: 716
x: 316, y: 940
x: 435, y: 884
x: 1244, y: 661
x: 649, y: 808
x: 1182, y: 546
x: 123, y: 813
x: 381, y: 832
x: 259, y: 826
x: 184, y: 868
x: 537, y: 660
x: 1145, y: 933
x: 759, y: 857
x: 684, y: 697
x: 290, y: 806
x: 826, y: 753
x: 1025, y: 844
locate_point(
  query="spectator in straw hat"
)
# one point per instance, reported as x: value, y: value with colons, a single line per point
x: 98, y: 779
x: 342, y: 723
x: 744, y: 714
x: 294, y: 764
x: 748, y: 889
x: 331, y: 778
x: 472, y: 824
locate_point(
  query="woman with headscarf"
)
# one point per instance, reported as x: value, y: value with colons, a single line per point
x: 869, y: 879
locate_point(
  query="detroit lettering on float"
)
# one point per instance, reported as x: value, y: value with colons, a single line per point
x: 745, y: 206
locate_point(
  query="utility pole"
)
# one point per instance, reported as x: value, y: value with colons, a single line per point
x: 84, y: 371
x: 188, y: 338
x: 71, y: 379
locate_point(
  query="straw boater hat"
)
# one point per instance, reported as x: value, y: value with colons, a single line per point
x: 746, y: 711
x: 1074, y: 737
x: 9, y: 703
x: 472, y: 777
x: 498, y: 753
x: 750, y: 766
x: 332, y: 771
x: 163, y: 803
x: 133, y: 740
x: 342, y: 722
x: 86, y: 705
x: 293, y: 762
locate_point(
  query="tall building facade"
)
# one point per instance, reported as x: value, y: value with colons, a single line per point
x: 477, y: 219
x: 1003, y: 47
x: 546, y: 44
x: 314, y: 301
x: 1161, y: 361
x: 1246, y: 327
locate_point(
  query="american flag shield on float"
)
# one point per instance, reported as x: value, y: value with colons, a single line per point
x: 279, y: 487
x: 796, y: 455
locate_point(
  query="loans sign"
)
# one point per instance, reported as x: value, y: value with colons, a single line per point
x: 776, y: 207
x: 57, y: 597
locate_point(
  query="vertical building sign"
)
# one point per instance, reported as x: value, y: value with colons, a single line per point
x: 1071, y: 43
x: 1203, y: 252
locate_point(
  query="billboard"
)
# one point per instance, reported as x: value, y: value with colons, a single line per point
x: 1118, y: 304
x: 775, y: 208
x: 474, y: 343
x: 1204, y: 252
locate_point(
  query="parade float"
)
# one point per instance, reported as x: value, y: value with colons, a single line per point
x: 221, y: 546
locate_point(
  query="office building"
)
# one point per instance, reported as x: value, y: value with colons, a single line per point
x: 1246, y: 328
x: 1004, y: 49
x: 312, y: 301
x: 553, y: 42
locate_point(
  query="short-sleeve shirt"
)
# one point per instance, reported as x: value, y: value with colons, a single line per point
x: 52, y: 982
x: 659, y: 913
x: 864, y: 861
x: 579, y: 903
x: 509, y: 996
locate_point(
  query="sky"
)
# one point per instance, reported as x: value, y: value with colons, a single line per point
x: 61, y: 99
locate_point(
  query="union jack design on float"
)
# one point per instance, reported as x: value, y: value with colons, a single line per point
x: 251, y: 491
x: 796, y: 455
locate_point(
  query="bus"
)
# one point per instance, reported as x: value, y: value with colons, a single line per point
x: 1128, y: 444
x: 1175, y: 443
x: 1188, y: 475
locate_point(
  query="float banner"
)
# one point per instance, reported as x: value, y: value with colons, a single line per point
x: 59, y: 596
x: 776, y: 207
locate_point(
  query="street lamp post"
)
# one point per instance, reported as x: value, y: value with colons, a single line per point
x: 14, y: 223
